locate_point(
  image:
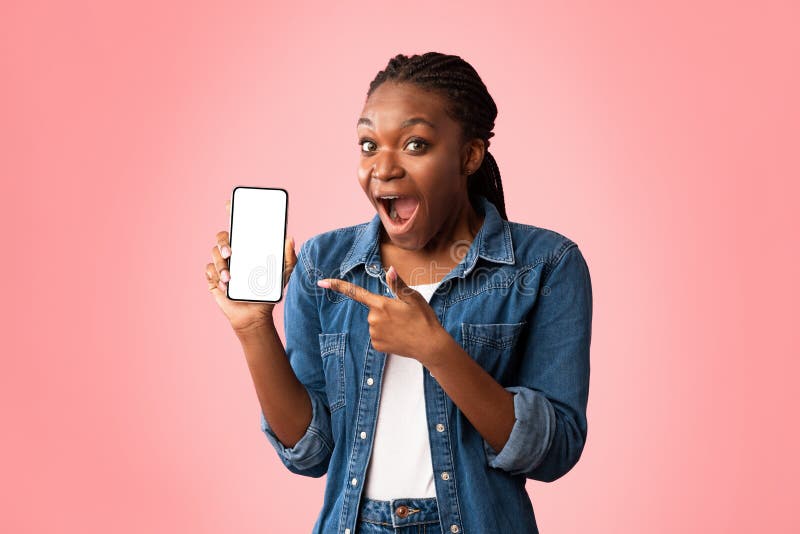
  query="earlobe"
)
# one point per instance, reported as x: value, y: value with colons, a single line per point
x: 474, y: 157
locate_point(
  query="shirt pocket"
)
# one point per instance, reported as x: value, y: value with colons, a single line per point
x: 332, y: 351
x: 491, y: 344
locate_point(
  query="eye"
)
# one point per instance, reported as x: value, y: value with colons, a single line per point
x: 423, y: 144
x: 415, y: 141
x: 362, y: 142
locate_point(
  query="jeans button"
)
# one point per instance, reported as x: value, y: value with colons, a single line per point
x: 401, y: 511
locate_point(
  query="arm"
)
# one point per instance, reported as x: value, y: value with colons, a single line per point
x: 539, y: 426
x: 482, y: 400
x: 289, y: 383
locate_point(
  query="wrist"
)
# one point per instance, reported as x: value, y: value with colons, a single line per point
x: 254, y: 327
x: 438, y: 349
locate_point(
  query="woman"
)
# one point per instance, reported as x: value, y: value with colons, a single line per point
x: 436, y: 356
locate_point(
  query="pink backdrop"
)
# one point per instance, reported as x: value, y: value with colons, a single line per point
x: 662, y: 139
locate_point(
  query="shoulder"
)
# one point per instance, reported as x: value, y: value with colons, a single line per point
x: 326, y: 250
x: 535, y: 245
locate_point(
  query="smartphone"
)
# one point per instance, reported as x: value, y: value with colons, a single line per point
x: 257, y: 237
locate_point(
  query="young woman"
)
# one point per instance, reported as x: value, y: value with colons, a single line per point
x: 437, y: 356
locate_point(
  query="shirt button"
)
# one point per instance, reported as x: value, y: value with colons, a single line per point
x: 363, y: 435
x: 445, y: 475
x: 347, y: 531
x: 370, y: 381
x: 440, y: 427
x: 354, y: 481
x: 453, y: 528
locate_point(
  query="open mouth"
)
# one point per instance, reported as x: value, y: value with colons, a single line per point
x: 399, y: 211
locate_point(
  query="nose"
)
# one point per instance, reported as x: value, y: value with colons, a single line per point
x: 385, y: 167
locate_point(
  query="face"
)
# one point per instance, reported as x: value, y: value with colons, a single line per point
x: 412, y: 149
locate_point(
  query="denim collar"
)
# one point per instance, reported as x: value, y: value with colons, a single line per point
x: 493, y: 242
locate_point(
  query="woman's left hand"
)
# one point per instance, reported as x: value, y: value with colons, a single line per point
x: 406, y: 325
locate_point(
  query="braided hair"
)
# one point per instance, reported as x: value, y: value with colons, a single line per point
x: 470, y: 105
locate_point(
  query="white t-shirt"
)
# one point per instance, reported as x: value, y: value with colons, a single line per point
x: 400, y: 465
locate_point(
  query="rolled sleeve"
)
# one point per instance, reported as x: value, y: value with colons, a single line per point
x: 551, y: 394
x: 311, y: 455
x: 531, y: 434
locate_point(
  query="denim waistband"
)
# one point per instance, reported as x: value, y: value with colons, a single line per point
x: 400, y: 512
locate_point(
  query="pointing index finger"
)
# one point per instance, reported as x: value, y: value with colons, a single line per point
x: 353, y: 291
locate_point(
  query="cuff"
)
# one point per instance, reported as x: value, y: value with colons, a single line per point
x: 315, y: 444
x: 531, y: 435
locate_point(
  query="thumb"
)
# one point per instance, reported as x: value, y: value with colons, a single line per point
x: 290, y: 259
x: 399, y: 287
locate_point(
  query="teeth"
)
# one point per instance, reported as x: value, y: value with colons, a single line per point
x: 392, y: 211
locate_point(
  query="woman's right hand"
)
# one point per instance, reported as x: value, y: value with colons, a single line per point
x: 242, y: 315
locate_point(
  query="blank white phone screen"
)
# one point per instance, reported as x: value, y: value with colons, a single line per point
x: 258, y: 230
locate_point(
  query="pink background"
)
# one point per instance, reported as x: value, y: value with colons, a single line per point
x: 663, y: 139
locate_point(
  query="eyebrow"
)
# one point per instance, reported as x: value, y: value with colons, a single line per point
x: 406, y: 123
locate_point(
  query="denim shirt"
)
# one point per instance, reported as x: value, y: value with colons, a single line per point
x: 519, y: 303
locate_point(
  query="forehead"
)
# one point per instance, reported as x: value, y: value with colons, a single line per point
x: 392, y: 103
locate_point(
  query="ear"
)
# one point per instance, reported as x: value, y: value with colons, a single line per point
x: 472, y: 156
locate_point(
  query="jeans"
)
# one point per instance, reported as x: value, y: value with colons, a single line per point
x: 399, y: 516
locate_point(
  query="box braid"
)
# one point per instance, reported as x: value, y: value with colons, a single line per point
x: 470, y: 105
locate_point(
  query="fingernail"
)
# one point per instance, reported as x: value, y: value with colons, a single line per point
x: 323, y: 283
x: 225, y: 276
x: 391, y: 273
x: 225, y: 251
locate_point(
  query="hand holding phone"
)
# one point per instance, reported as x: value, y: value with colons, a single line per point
x: 258, y: 231
x: 257, y: 238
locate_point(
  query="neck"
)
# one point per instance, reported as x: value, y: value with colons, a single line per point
x: 460, y: 227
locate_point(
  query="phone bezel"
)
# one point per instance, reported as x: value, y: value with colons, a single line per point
x: 283, y: 249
